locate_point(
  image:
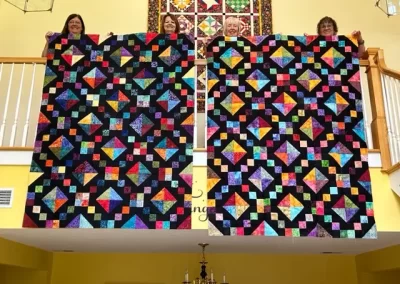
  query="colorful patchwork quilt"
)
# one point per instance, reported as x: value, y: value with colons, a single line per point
x: 115, y: 134
x: 287, y: 153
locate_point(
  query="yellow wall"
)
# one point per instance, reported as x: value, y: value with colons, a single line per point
x: 380, y: 260
x: 15, y: 254
x: 169, y: 268
x: 101, y: 17
x: 23, y: 264
x: 17, y: 275
x: 386, y: 203
x: 129, y: 16
x: 379, y: 267
x: 16, y: 177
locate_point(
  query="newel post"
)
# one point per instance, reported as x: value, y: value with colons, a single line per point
x: 378, y: 123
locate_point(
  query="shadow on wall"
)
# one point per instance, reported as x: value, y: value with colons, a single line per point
x: 17, y: 275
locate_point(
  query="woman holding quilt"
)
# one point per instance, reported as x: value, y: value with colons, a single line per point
x: 74, y: 25
x: 328, y: 27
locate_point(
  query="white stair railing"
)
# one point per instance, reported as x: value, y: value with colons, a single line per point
x: 391, y: 97
x: 21, y: 84
x: 391, y: 93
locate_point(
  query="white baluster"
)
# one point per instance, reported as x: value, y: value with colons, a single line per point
x: 195, y: 110
x: 367, y: 125
x: 389, y: 117
x: 396, y: 105
x: 396, y: 133
x: 1, y: 70
x: 15, y: 124
x: 206, y: 109
x: 28, y: 114
x: 4, y: 120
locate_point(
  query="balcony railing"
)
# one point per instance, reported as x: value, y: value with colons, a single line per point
x: 21, y: 82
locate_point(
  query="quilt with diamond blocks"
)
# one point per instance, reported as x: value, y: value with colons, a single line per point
x: 115, y: 134
x: 287, y: 153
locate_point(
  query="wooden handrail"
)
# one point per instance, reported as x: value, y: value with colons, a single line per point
x: 42, y: 60
x: 364, y: 62
x: 380, y: 61
x: 22, y: 60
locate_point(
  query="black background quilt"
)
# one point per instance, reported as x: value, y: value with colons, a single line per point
x: 286, y: 145
x: 115, y: 134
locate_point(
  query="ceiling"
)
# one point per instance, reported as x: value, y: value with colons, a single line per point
x: 149, y: 241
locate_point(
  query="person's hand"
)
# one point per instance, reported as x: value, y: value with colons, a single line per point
x: 110, y: 34
x: 305, y: 34
x: 48, y: 35
x: 357, y: 35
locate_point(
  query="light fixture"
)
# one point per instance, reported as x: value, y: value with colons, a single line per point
x: 204, y: 279
x: 389, y: 7
x: 32, y: 5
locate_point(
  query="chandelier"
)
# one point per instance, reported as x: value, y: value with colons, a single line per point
x: 203, y: 274
x: 389, y: 7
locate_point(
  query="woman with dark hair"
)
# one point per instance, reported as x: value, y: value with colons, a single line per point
x: 169, y: 24
x: 73, y: 25
x: 328, y: 27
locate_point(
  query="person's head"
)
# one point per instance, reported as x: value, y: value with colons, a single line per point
x: 231, y: 26
x: 169, y: 24
x: 327, y: 27
x: 74, y: 25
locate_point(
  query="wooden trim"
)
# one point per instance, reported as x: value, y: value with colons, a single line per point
x: 383, y: 68
x: 22, y: 60
x: 392, y: 169
x: 378, y: 121
x: 200, y: 62
x: 16, y: 148
x: 364, y: 62
x: 375, y: 151
x: 200, y: 150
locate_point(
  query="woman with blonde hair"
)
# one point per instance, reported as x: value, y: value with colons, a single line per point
x: 232, y: 26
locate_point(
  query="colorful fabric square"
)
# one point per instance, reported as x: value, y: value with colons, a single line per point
x: 287, y: 154
x: 205, y: 18
x: 115, y: 134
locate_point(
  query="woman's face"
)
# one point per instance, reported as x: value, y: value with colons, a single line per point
x: 232, y: 29
x: 326, y: 29
x: 169, y: 25
x: 75, y: 26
